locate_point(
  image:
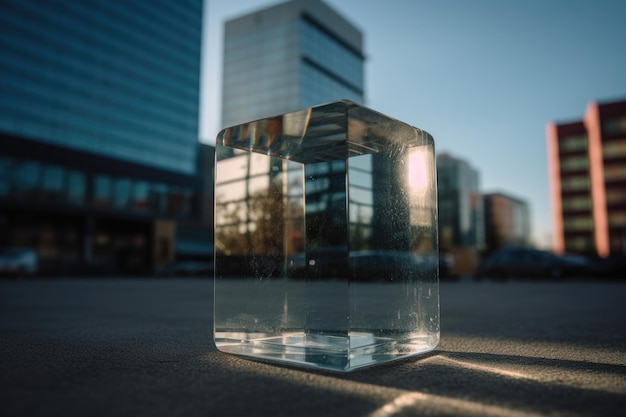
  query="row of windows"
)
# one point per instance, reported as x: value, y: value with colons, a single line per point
x: 260, y: 48
x: 577, y: 204
x: 575, y: 183
x: 87, y: 28
x: 262, y: 84
x: 616, y: 149
x: 579, y: 244
x: 317, y: 87
x: 92, y: 115
x: 614, y: 125
x: 616, y: 196
x: 615, y: 172
x: 124, y: 193
x: 274, y: 50
x: 114, y: 142
x: 574, y: 163
x: 333, y: 56
x: 74, y: 75
x: 84, y: 74
x: 153, y: 19
x: 578, y: 223
x: 617, y: 219
x: 162, y: 155
x: 573, y: 143
x: 243, y: 109
x: 34, y: 181
x: 281, y: 30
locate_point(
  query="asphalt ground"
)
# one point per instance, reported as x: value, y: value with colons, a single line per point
x: 143, y: 347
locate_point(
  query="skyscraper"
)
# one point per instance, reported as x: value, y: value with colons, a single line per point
x: 289, y: 57
x: 115, y: 78
x: 461, y: 221
x: 98, y: 130
x: 588, y: 181
x: 280, y: 60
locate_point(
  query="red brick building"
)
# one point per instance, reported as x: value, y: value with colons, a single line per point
x: 587, y: 166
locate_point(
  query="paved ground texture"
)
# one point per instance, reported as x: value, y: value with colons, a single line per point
x: 143, y: 347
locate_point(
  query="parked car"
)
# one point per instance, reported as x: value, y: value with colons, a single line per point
x: 533, y: 263
x: 18, y: 261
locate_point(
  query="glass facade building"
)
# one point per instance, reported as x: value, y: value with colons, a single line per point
x: 289, y: 57
x: 116, y: 78
x: 99, y: 107
x: 460, y: 203
x: 461, y: 214
x: 280, y: 60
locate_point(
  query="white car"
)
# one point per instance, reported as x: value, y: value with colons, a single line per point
x: 18, y: 261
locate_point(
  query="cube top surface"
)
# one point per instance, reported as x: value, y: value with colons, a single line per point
x: 332, y: 131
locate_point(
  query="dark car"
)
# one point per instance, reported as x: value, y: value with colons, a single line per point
x: 533, y: 263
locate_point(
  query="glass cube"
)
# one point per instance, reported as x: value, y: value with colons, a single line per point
x: 326, y: 239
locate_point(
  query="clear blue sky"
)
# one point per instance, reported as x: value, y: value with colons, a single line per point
x: 484, y: 77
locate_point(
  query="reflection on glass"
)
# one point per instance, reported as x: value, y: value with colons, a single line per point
x: 326, y: 239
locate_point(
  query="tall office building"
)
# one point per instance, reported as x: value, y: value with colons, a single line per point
x: 461, y: 218
x: 588, y: 181
x: 279, y: 60
x: 507, y: 221
x: 99, y: 129
x: 116, y: 78
x: 289, y: 57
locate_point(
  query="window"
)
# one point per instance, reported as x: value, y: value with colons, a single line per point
x: 578, y: 223
x: 157, y: 198
x: 579, y: 244
x: 614, y: 125
x: 140, y: 195
x: 615, y: 172
x: 122, y: 193
x: 577, y: 203
x: 102, y: 187
x: 27, y: 176
x: 573, y: 143
x: 53, y: 179
x: 322, y: 48
x: 574, y: 163
x: 616, y: 196
x: 76, y: 187
x: 575, y: 183
x: 614, y: 149
x: 617, y: 219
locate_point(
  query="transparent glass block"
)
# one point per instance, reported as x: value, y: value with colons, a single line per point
x: 326, y: 239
